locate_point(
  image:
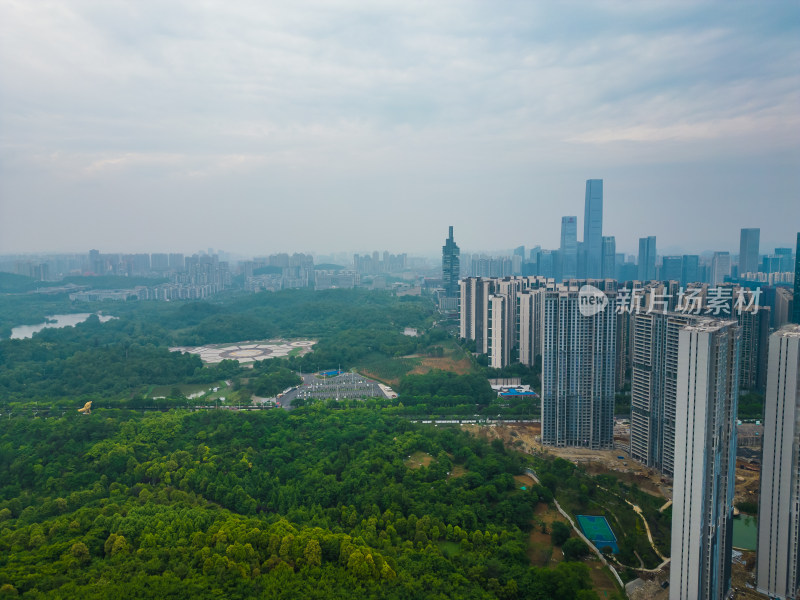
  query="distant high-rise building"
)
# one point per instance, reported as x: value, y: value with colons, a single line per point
x: 569, y: 248
x: 778, y: 550
x: 748, y: 250
x: 578, y: 368
x: 176, y: 262
x: 671, y: 268
x: 451, y: 268
x: 689, y: 269
x: 720, y: 267
x: 593, y: 228
x: 705, y: 461
x: 796, y: 308
x: 609, y: 257
x: 647, y: 258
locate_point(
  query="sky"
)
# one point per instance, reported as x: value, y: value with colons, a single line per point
x: 336, y: 125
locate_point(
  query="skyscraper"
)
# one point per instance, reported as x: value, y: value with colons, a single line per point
x: 654, y: 388
x: 647, y: 258
x: 778, y: 568
x: 748, y: 250
x: 593, y: 228
x: 450, y: 266
x: 796, y: 308
x: 720, y: 267
x: 671, y: 268
x: 578, y: 360
x: 609, y: 258
x: 689, y: 269
x: 569, y: 248
x: 705, y: 460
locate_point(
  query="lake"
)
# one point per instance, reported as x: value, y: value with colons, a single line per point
x: 745, y: 532
x: 26, y: 331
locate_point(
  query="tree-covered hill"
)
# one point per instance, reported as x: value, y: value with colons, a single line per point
x: 312, y: 504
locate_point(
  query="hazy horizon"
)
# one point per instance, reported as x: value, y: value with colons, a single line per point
x: 323, y: 126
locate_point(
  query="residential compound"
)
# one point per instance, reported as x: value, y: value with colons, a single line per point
x: 526, y: 317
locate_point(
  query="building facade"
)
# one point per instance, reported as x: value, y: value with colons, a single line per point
x: 593, y: 229
x: 647, y: 258
x: 778, y: 567
x: 748, y: 250
x: 578, y: 360
x: 705, y: 460
x: 451, y: 268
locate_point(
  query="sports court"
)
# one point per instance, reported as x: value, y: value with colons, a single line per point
x: 598, y: 531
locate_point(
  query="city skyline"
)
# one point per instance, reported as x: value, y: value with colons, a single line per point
x: 258, y: 129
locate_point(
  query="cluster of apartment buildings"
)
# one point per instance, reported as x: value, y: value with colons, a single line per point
x: 688, y: 345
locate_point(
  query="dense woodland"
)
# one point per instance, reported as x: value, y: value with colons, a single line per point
x: 311, y: 503
x: 324, y: 501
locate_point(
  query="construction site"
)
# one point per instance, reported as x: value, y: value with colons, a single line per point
x: 526, y: 437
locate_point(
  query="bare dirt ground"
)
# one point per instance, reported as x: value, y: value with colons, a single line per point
x: 445, y: 363
x: 418, y: 459
x: 748, y: 479
x: 743, y: 573
x: 525, y: 437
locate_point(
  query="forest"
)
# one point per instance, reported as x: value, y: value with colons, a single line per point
x: 334, y: 499
x: 311, y: 503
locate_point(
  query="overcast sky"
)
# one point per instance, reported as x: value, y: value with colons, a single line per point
x: 337, y: 125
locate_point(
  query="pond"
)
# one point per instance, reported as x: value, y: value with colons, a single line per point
x: 745, y: 532
x: 57, y: 321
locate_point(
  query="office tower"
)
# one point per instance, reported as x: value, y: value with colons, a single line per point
x: 671, y: 268
x: 520, y: 251
x: 569, y: 248
x: 547, y: 263
x: 748, y: 250
x: 785, y: 262
x: 593, y: 228
x: 654, y: 372
x: 778, y: 567
x: 754, y: 323
x: 720, y: 267
x: 450, y: 266
x: 796, y: 308
x: 705, y: 460
x: 578, y: 359
x: 647, y: 258
x: 609, y: 257
x: 689, y: 269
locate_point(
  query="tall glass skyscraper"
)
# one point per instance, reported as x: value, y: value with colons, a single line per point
x: 593, y: 228
x: 647, y: 258
x: 451, y: 266
x: 569, y: 247
x: 748, y: 250
x: 609, y: 258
